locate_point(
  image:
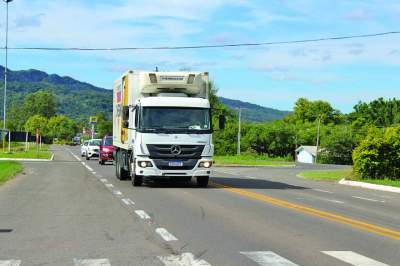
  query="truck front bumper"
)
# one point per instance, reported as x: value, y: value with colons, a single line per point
x: 153, y: 171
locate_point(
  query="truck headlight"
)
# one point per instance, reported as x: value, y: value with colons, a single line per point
x: 205, y: 164
x: 145, y: 164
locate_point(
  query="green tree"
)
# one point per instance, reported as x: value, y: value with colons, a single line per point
x: 40, y: 103
x: 104, y: 128
x: 337, y: 145
x: 309, y: 111
x: 15, y: 118
x: 61, y: 127
x: 378, y: 155
x: 37, y: 122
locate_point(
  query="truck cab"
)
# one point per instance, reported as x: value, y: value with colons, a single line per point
x: 162, y: 127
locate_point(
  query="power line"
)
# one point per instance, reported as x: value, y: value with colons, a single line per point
x: 207, y: 46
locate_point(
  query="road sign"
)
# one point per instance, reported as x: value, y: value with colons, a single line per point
x: 93, y: 120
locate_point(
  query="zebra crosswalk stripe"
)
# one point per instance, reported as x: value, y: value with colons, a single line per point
x: 354, y: 258
x: 267, y: 258
x: 10, y: 262
x: 185, y: 259
x: 91, y: 262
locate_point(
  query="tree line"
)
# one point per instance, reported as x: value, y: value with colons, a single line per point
x: 368, y: 137
x: 39, y: 111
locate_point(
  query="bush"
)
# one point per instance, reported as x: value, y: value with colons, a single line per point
x: 378, y: 155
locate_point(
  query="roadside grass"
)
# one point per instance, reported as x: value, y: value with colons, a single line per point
x: 326, y: 175
x: 348, y: 174
x: 8, y: 170
x: 253, y: 160
x: 18, y: 152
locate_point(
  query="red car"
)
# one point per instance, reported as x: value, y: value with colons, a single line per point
x: 106, y: 150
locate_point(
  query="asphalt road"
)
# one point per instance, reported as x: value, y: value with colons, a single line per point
x: 75, y: 212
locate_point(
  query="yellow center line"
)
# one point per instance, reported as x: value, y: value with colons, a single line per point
x: 394, y: 234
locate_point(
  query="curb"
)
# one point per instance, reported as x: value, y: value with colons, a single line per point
x: 369, y: 186
x: 27, y: 159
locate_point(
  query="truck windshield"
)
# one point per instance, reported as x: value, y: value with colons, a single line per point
x: 175, y: 119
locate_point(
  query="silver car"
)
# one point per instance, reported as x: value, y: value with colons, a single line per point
x: 92, y: 148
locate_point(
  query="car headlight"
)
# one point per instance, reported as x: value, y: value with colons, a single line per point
x: 145, y: 164
x: 205, y: 164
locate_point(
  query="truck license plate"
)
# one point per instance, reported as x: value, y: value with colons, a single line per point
x: 175, y: 163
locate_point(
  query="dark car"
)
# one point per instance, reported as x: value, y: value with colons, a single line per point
x: 106, y: 150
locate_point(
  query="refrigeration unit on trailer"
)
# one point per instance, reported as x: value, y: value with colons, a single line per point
x: 162, y: 126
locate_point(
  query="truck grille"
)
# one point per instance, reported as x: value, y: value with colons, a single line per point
x: 163, y: 151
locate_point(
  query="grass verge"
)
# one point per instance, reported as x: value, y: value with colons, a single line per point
x: 18, y: 152
x: 326, y: 175
x: 9, y: 170
x: 252, y: 160
x: 337, y: 175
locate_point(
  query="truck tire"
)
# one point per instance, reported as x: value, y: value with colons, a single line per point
x: 202, y: 181
x: 137, y: 180
x: 117, y: 167
x: 87, y: 157
x: 121, y: 173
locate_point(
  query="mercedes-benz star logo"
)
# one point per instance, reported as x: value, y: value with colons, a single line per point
x: 176, y: 149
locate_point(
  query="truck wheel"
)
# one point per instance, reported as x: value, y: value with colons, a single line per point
x: 87, y: 157
x: 202, y: 181
x: 117, y: 167
x: 137, y: 180
x: 124, y: 174
x: 121, y: 173
x: 101, y: 162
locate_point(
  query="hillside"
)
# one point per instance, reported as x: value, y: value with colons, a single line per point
x: 75, y: 99
x: 79, y: 100
x: 253, y: 112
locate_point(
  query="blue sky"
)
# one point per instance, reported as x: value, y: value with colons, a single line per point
x: 341, y: 72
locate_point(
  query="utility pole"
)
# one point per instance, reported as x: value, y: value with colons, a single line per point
x: 5, y: 75
x: 239, y: 129
x: 318, y: 131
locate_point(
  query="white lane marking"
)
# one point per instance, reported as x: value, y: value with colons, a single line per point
x: 185, y: 259
x: 104, y: 180
x: 109, y: 185
x: 128, y: 201
x: 267, y: 258
x: 94, y: 172
x: 353, y: 258
x: 321, y: 190
x: 89, y: 168
x: 142, y: 214
x: 117, y: 192
x: 92, y: 262
x: 167, y: 236
x: 10, y: 262
x: 335, y: 201
x: 374, y: 200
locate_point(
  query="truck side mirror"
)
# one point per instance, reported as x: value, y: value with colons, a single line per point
x: 125, y: 124
x: 221, y: 121
x: 125, y: 113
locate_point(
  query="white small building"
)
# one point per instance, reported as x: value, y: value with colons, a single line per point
x: 306, y: 154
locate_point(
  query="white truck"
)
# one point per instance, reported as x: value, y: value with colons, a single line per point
x: 162, y: 126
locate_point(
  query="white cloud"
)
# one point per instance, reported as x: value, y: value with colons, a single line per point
x: 357, y: 14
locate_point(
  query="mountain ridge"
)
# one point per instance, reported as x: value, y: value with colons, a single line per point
x: 79, y: 100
